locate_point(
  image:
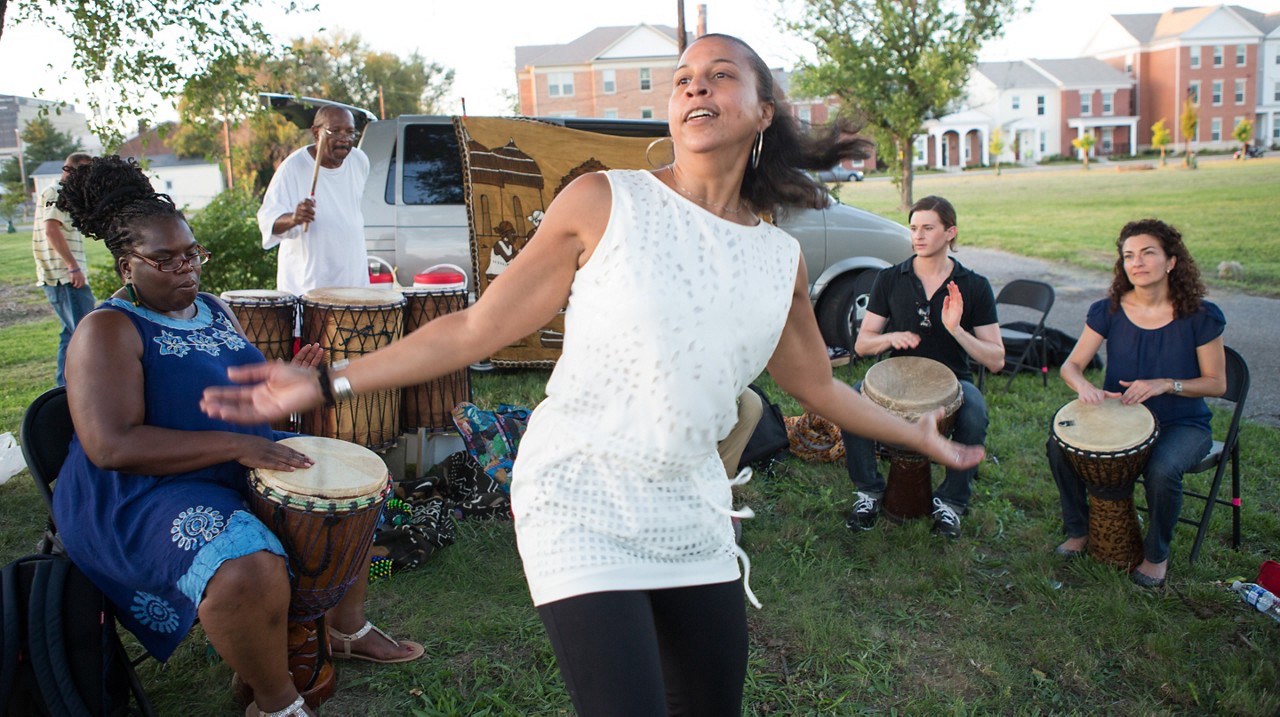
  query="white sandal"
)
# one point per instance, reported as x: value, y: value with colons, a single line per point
x: 297, y: 709
x: 344, y: 640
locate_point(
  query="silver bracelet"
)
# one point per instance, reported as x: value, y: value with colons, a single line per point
x: 342, y: 389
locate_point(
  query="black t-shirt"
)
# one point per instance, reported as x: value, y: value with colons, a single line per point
x: 898, y: 295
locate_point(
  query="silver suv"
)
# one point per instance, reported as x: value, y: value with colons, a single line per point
x: 415, y: 216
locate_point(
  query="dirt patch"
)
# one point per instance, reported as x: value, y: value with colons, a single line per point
x: 20, y: 304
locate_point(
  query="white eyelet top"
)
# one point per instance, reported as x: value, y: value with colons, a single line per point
x: 617, y: 484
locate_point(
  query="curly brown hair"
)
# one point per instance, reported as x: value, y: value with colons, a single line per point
x: 1186, y: 290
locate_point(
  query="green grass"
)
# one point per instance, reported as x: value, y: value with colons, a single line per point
x: 892, y: 621
x: 1225, y: 210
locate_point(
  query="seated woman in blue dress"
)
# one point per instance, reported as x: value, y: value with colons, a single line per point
x: 1165, y: 351
x: 151, y: 500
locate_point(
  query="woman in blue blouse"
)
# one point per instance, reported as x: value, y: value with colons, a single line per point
x: 1164, y: 350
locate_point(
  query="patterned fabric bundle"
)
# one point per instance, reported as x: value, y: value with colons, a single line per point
x: 814, y: 438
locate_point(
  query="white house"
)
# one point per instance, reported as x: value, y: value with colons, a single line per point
x: 192, y: 183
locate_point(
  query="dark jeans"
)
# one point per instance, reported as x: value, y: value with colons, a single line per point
x: 71, y: 305
x: 1177, y: 449
x: 679, y: 651
x: 957, y: 486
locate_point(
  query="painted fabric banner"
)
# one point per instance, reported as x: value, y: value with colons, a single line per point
x: 513, y: 169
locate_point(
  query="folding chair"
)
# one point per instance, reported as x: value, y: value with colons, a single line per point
x: 1037, y: 296
x: 1220, y: 454
x: 46, y: 439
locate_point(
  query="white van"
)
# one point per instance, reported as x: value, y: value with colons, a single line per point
x: 415, y: 216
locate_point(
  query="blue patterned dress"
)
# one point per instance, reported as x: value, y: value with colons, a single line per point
x: 152, y: 542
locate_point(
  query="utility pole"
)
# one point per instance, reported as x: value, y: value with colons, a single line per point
x: 680, y: 39
x: 226, y: 144
x: 382, y: 105
x: 22, y: 166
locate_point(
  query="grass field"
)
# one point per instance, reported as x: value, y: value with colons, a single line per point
x: 892, y: 621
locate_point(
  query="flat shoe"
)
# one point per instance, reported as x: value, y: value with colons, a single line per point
x: 1067, y: 553
x: 343, y: 640
x: 1143, y: 580
x: 297, y: 709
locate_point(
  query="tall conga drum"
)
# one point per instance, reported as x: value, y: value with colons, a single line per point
x: 324, y: 516
x: 1108, y: 444
x: 430, y: 405
x: 268, y: 318
x: 348, y: 323
x: 910, y: 387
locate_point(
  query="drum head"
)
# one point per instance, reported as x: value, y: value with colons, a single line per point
x: 911, y: 386
x: 353, y: 296
x: 1107, y: 427
x: 257, y: 296
x: 341, y: 470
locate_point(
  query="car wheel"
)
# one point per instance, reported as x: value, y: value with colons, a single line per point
x: 842, y: 306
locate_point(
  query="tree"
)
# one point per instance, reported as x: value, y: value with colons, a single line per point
x: 896, y: 64
x: 1190, y: 122
x: 1243, y: 134
x: 1160, y: 138
x: 996, y: 146
x: 41, y: 142
x: 136, y: 49
x: 1084, y: 143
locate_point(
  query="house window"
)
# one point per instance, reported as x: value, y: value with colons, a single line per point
x: 1195, y: 57
x: 1108, y: 102
x: 1276, y: 96
x: 646, y: 80
x: 1017, y: 101
x: 805, y: 114
x: 646, y: 113
x: 560, y: 84
x: 1128, y: 64
x: 1108, y: 140
x: 1086, y: 102
x: 1215, y: 130
x: 1217, y: 55
x: 1040, y: 104
x: 922, y: 148
x: 1042, y: 142
x: 610, y: 80
x: 1217, y: 93
x: 1239, y: 92
x: 611, y: 114
x: 1240, y: 56
x: 1193, y: 92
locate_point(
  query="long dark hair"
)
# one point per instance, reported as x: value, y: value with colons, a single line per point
x: 780, y: 180
x: 109, y: 198
x: 1186, y: 290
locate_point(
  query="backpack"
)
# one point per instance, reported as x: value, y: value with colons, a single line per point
x: 768, y: 442
x: 61, y: 654
x: 1058, y: 345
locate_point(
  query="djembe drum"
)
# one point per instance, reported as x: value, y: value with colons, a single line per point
x: 1108, y: 444
x: 910, y: 387
x: 430, y: 405
x: 324, y: 516
x: 348, y: 323
x: 268, y: 318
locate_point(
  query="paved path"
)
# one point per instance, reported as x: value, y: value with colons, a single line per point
x: 1253, y: 323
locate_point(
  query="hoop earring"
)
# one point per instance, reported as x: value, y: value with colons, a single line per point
x: 649, y: 149
x: 757, y: 150
x: 133, y: 295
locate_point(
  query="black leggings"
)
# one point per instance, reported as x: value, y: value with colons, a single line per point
x: 679, y: 651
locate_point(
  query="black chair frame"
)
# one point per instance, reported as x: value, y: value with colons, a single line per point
x: 1038, y: 296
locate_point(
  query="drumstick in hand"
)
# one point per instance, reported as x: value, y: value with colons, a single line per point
x: 315, y: 173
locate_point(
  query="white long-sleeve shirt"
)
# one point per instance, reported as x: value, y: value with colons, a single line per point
x: 331, y: 253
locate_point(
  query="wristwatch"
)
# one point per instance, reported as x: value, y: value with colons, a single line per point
x: 1177, y: 386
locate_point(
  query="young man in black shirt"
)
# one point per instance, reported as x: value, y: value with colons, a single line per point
x: 932, y: 306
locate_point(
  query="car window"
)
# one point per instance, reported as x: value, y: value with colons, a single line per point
x: 432, y: 165
x: 389, y: 194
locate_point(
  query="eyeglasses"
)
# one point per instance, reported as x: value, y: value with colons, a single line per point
x: 178, y: 263
x: 67, y: 167
x: 351, y: 134
x: 922, y: 310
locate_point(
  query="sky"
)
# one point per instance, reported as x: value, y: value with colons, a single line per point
x: 477, y: 37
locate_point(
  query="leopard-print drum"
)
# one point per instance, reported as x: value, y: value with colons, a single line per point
x: 1108, y: 444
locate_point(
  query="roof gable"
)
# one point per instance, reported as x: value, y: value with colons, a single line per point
x: 1013, y: 75
x: 602, y: 43
x: 1083, y: 73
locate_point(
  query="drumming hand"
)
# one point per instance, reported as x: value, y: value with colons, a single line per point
x: 1139, y: 391
x: 1092, y: 395
x: 946, y: 452
x: 903, y: 339
x: 952, y: 308
x: 259, y: 452
x: 278, y: 390
x: 309, y: 356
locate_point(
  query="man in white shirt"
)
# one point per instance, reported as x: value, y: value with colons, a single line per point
x: 60, y: 263
x: 321, y: 239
